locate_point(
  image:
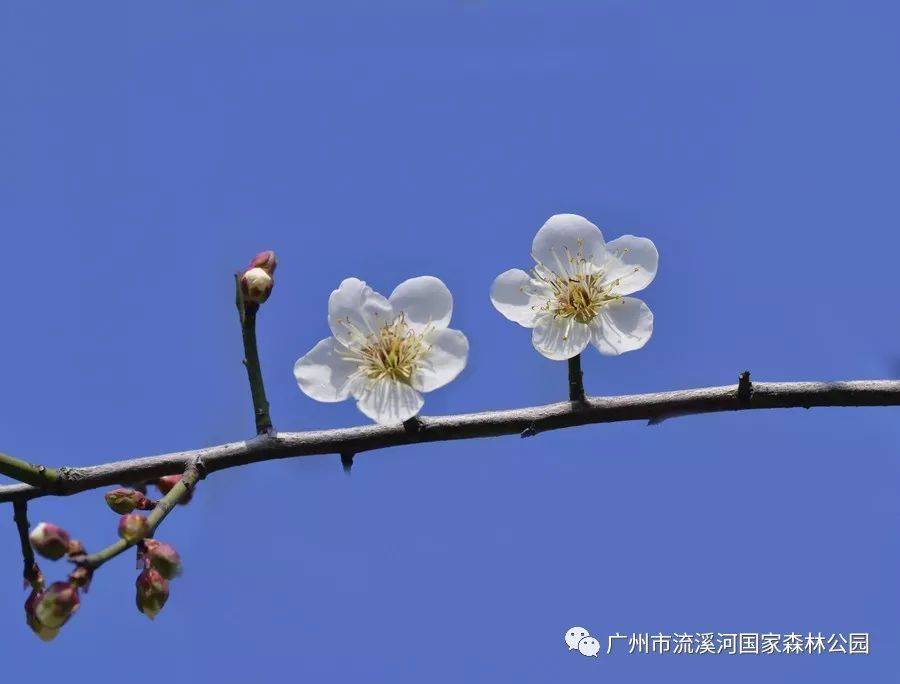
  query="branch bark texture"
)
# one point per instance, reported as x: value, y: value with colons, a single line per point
x: 654, y: 407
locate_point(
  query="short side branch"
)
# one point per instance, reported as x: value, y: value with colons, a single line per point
x: 247, y: 311
x: 192, y: 474
x: 530, y: 421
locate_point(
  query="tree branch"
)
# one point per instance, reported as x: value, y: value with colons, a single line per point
x: 654, y: 407
x: 29, y: 473
x: 192, y: 474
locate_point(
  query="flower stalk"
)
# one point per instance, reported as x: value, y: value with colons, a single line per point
x: 576, y: 379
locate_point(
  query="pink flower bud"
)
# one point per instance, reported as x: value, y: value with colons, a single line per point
x: 256, y: 285
x: 163, y: 558
x: 165, y: 484
x: 44, y: 633
x: 49, y: 540
x: 266, y: 261
x: 133, y: 527
x: 125, y: 501
x: 55, y: 605
x: 152, y: 592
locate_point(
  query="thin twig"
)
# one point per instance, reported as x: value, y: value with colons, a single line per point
x: 30, y: 570
x: 247, y: 311
x: 525, y: 421
x: 194, y: 472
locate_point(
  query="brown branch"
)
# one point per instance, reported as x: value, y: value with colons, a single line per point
x: 192, y: 474
x: 247, y: 311
x: 30, y: 570
x: 526, y: 421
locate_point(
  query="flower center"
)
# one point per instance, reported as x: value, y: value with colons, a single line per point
x: 578, y: 297
x: 392, y: 352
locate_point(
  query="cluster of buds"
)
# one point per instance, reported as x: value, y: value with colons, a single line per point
x: 124, y: 501
x: 258, y: 278
x: 51, y: 541
x: 48, y: 610
x: 161, y: 563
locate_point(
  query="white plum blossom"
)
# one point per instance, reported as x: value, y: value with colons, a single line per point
x: 385, y: 351
x: 576, y: 292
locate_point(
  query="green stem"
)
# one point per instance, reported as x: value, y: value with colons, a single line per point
x: 576, y: 384
x: 247, y: 311
x: 29, y: 473
x: 192, y: 474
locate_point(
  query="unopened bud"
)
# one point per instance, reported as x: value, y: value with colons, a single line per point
x: 266, y: 261
x: 125, y: 501
x: 258, y: 278
x: 165, y: 484
x: 44, y: 633
x: 81, y: 577
x: 163, y: 558
x: 133, y: 527
x: 49, y: 540
x: 56, y: 604
x: 152, y: 592
x: 257, y: 284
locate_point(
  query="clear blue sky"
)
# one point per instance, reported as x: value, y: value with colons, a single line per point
x: 148, y: 150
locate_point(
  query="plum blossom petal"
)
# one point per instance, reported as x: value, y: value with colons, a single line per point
x: 559, y: 338
x: 423, y: 301
x: 563, y: 236
x: 446, y: 357
x: 630, y: 264
x: 324, y: 372
x: 355, y: 311
x: 622, y: 325
x: 386, y: 401
x: 519, y: 297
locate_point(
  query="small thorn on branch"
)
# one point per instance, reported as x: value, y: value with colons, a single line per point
x: 414, y: 425
x: 745, y: 387
x: 347, y: 462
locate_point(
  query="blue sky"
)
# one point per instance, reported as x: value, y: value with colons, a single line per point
x: 148, y: 151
